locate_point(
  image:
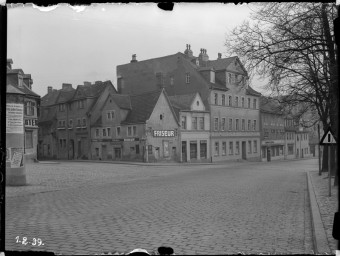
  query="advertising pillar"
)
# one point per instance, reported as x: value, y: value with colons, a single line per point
x: 15, y: 168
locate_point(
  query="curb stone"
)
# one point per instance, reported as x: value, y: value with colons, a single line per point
x: 320, y: 241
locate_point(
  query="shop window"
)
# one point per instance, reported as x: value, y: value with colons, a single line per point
x: 224, y: 148
x: 237, y: 150
x: 203, y: 149
x: 231, y: 148
x: 217, y: 147
x: 28, y: 139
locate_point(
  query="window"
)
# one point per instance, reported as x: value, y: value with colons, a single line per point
x: 84, y: 122
x: 171, y: 80
x: 233, y: 78
x: 224, y: 148
x: 194, y: 123
x: 108, y: 132
x: 236, y: 101
x: 249, y: 146
x: 134, y: 130
x: 29, y: 108
x: 81, y: 103
x: 243, y: 124
x: 201, y: 123
x: 254, y: 104
x: 193, y: 150
x: 70, y: 123
x: 104, y: 132
x: 254, y: 125
x: 216, y: 99
x: 242, y: 102
x: 230, y: 98
x: 97, y: 133
x: 110, y: 114
x: 61, y: 107
x: 229, y: 78
x: 129, y: 131
x: 237, y: 151
x: 230, y: 124
x: 184, y: 122
x: 249, y: 124
x: 215, y: 124
x: 160, y: 117
x: 237, y: 127
x: 223, y: 124
x: 78, y: 122
x: 117, y: 131
x: 203, y: 149
x: 28, y: 139
x: 231, y: 148
x: 255, y: 146
x: 217, y: 146
x: 187, y: 78
x: 223, y: 100
x: 248, y: 102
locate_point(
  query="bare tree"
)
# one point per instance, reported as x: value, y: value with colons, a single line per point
x: 293, y: 46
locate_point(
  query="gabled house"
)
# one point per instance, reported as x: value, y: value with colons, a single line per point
x: 65, y: 130
x: 194, y: 127
x: 224, y: 89
x: 136, y: 127
x: 19, y: 83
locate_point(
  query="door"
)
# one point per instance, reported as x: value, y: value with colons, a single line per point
x: 104, y: 152
x: 71, y: 150
x: 268, y: 155
x: 117, y: 153
x: 79, y: 148
x: 244, y: 154
x: 184, y: 151
x: 157, y: 153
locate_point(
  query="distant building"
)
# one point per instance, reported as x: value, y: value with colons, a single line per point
x: 223, y: 87
x: 19, y: 89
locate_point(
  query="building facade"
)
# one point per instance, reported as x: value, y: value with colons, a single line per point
x: 224, y: 89
x: 20, y: 83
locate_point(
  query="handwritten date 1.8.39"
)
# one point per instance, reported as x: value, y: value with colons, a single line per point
x: 25, y: 241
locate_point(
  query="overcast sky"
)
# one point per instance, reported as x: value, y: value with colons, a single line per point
x: 69, y: 46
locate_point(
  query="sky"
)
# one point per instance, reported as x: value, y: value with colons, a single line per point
x: 62, y: 44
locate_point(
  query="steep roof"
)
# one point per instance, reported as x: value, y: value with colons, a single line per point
x: 270, y: 105
x: 142, y: 106
x: 251, y: 91
x: 13, y: 80
x: 13, y: 89
x: 123, y: 101
x: 182, y: 102
x: 65, y: 95
x: 50, y: 98
x: 221, y: 63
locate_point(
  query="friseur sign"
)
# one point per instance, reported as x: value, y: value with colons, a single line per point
x: 162, y: 133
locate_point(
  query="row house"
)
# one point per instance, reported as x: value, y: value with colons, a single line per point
x: 223, y: 86
x: 19, y: 90
x: 140, y: 127
x: 282, y: 136
x: 65, y: 116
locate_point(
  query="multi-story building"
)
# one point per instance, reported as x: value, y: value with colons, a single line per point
x: 194, y: 127
x: 19, y: 83
x: 272, y: 130
x: 64, y: 123
x: 223, y: 86
x: 139, y: 127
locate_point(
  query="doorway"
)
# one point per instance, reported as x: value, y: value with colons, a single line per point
x: 104, y: 152
x: 118, y: 154
x: 244, y: 154
x: 184, y: 151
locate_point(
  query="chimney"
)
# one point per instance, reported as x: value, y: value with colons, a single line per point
x: 9, y: 64
x: 66, y: 87
x: 133, y: 58
x: 49, y: 89
x: 87, y: 83
x: 219, y: 56
x: 188, y: 51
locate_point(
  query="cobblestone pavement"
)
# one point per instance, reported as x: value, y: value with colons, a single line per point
x: 208, y: 209
x: 327, y: 205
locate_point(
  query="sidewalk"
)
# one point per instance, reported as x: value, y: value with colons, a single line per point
x: 323, y: 208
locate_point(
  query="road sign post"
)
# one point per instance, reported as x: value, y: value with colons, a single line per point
x: 328, y: 140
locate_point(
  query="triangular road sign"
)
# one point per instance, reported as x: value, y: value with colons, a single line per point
x: 328, y: 138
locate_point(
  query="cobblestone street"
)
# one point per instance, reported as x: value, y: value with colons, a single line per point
x: 88, y: 208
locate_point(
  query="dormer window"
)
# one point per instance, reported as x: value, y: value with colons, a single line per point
x: 216, y: 99
x: 228, y: 78
x: 187, y: 78
x: 212, y: 77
